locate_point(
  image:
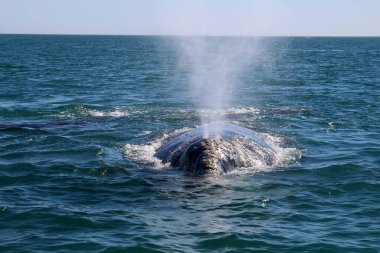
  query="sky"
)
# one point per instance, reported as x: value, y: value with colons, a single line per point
x: 192, y: 17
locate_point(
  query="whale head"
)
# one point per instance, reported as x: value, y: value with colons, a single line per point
x: 203, y: 156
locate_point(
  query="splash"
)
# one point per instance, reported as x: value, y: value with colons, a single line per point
x: 215, y: 66
x: 144, y: 153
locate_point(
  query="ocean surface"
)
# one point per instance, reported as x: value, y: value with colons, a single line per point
x: 81, y: 116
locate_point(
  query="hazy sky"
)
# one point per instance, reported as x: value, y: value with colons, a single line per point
x: 192, y: 17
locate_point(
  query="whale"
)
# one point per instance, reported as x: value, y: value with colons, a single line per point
x: 42, y: 125
x: 218, y: 148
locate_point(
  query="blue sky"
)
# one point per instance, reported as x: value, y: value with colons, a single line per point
x: 192, y: 17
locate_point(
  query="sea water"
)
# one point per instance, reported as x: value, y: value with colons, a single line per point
x: 71, y: 108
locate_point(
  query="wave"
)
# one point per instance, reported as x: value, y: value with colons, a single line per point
x: 114, y: 113
x: 81, y: 110
x: 249, y: 111
x: 75, y: 110
x: 228, y: 111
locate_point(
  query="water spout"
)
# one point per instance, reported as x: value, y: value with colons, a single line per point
x: 214, y: 66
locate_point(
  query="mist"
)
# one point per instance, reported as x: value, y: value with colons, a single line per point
x: 215, y: 66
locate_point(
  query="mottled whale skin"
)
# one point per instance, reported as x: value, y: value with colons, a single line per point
x: 217, y: 148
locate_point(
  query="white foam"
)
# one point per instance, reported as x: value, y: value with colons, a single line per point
x: 248, y: 110
x: 284, y: 155
x: 115, y: 113
x: 81, y: 110
x: 144, y: 133
x: 229, y: 111
x: 144, y: 153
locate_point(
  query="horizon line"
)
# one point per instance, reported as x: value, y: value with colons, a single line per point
x: 195, y: 35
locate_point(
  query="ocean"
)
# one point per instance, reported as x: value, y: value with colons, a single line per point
x: 81, y: 117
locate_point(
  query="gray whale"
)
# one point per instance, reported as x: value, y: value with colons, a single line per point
x: 224, y: 148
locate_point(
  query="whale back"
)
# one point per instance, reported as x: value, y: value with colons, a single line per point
x: 228, y: 146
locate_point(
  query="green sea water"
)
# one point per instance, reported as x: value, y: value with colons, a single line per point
x: 72, y: 106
